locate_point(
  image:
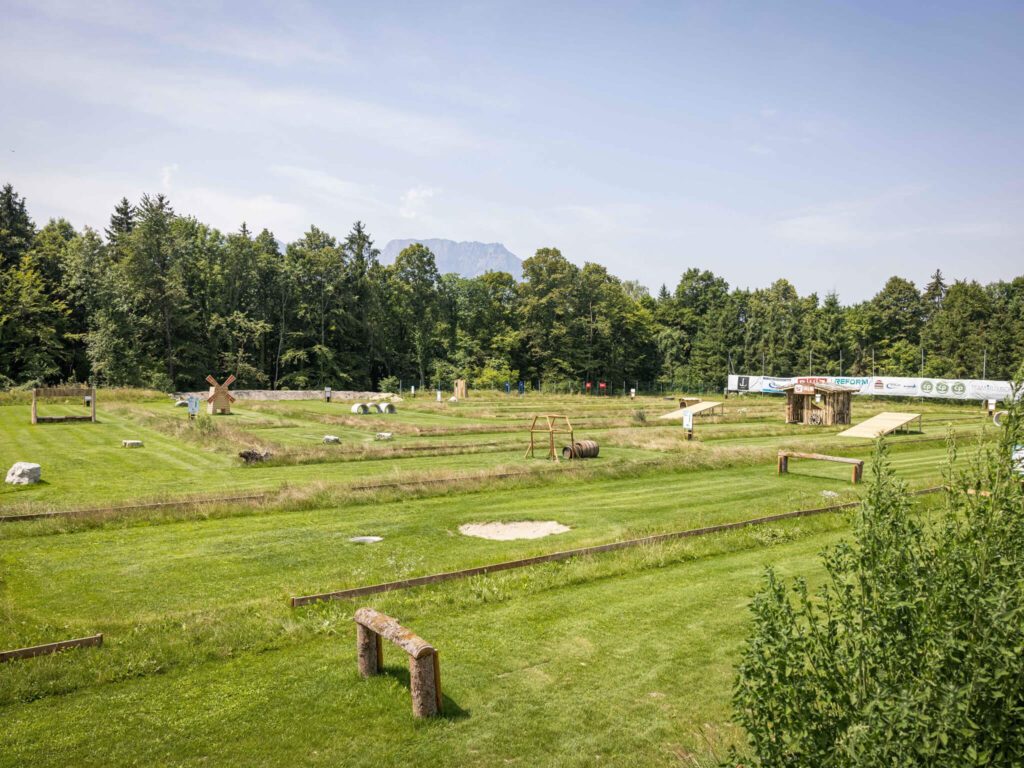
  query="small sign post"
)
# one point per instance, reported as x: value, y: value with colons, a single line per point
x: 327, y: 394
x: 688, y: 424
x: 193, y: 407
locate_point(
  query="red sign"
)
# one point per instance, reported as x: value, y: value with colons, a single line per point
x: 588, y: 385
x: 602, y: 385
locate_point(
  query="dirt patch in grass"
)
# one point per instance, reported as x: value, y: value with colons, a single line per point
x: 525, y: 529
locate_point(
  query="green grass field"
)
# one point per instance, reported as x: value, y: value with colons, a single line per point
x: 619, y: 659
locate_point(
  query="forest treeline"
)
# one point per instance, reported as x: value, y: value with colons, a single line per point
x: 161, y: 300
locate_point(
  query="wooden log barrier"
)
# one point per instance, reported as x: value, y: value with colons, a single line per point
x: 48, y: 648
x: 857, y: 464
x: 424, y: 664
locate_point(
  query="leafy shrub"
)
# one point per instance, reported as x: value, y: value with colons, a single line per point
x: 389, y: 384
x: 912, y: 653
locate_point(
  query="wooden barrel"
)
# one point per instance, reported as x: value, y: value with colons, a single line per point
x: 585, y: 449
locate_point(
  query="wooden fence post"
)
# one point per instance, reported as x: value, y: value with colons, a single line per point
x: 368, y: 647
x: 423, y: 685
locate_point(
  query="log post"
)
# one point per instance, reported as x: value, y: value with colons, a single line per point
x: 92, y: 403
x: 423, y: 685
x: 783, y: 464
x: 368, y: 648
x: 35, y: 408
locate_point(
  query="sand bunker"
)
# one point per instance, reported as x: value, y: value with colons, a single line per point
x: 529, y: 529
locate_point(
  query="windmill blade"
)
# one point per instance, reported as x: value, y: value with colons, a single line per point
x: 231, y: 398
x: 212, y: 381
x: 229, y: 380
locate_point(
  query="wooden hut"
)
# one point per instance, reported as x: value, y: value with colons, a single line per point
x: 817, y: 403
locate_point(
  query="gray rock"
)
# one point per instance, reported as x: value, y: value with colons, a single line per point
x: 366, y: 539
x: 131, y: 443
x: 181, y: 404
x: 383, y: 436
x: 328, y: 439
x: 24, y: 473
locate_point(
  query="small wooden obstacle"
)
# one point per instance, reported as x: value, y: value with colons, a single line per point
x: 219, y: 400
x: 883, y: 424
x: 581, y: 449
x: 702, y: 407
x: 554, y: 424
x: 785, y: 456
x: 461, y: 390
x: 48, y: 648
x: 424, y: 664
x: 88, y: 394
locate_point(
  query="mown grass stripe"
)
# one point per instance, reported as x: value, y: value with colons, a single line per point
x: 437, y: 578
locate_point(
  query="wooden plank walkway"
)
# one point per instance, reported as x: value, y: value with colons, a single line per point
x: 882, y: 424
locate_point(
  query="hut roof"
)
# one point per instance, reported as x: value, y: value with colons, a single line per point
x: 819, y: 386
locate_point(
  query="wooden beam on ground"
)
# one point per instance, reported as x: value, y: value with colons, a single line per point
x: 437, y: 578
x: 785, y: 456
x: 48, y: 648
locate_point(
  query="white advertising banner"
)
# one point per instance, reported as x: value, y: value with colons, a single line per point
x: 891, y: 386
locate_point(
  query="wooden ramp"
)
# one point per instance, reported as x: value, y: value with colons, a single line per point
x: 701, y: 407
x: 882, y: 424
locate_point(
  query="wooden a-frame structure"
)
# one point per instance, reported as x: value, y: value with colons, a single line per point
x: 554, y: 424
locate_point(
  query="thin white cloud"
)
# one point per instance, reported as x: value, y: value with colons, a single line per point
x: 300, y: 33
x: 167, y: 176
x: 414, y: 201
x: 193, y: 98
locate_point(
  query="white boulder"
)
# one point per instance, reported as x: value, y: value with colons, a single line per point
x: 328, y: 439
x: 383, y: 436
x: 24, y: 473
x: 131, y: 443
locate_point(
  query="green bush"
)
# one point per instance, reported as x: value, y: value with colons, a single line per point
x: 389, y: 384
x: 912, y: 652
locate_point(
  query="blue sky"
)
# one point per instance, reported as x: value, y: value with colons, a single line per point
x: 831, y: 143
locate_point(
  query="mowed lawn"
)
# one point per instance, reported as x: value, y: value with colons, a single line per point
x: 630, y: 670
x: 621, y: 659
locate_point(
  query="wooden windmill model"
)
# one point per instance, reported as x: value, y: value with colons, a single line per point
x: 219, y: 400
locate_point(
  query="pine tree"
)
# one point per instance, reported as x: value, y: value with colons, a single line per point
x: 934, y: 295
x: 122, y: 221
x: 16, y: 228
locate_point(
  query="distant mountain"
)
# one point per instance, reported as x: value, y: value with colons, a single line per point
x: 467, y: 259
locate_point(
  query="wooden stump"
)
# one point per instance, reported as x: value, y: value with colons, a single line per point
x: 423, y: 684
x: 369, y: 650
